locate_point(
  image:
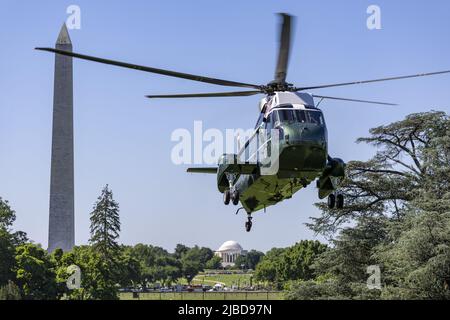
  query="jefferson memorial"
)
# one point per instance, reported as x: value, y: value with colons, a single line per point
x: 229, y: 251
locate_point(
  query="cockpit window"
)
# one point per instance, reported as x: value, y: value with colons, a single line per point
x: 286, y: 115
x: 302, y: 116
x: 315, y: 117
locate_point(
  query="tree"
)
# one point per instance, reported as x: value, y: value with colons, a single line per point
x: 7, y: 261
x: 167, y: 269
x: 105, y: 225
x: 7, y: 215
x: 214, y: 263
x: 396, y: 215
x: 8, y: 241
x: 267, y: 269
x: 352, y: 251
x: 103, y: 260
x: 205, y: 255
x: 192, y: 262
x: 417, y: 266
x: 249, y: 260
x: 98, y: 279
x: 56, y: 258
x: 10, y: 291
x: 328, y: 290
x: 384, y: 185
x: 146, y: 257
x: 297, y: 261
x: 180, y: 249
x: 279, y: 266
x: 35, y: 274
x: 130, y: 268
x: 156, y: 264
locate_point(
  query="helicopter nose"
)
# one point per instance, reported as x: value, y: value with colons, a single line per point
x: 305, y: 133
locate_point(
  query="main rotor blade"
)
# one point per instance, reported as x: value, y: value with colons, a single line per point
x: 355, y: 100
x: 370, y: 81
x: 283, y: 51
x: 208, y: 95
x: 153, y: 70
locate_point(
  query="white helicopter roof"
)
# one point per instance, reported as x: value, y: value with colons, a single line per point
x: 280, y: 98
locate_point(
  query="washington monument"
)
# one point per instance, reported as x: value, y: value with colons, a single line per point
x: 62, y: 218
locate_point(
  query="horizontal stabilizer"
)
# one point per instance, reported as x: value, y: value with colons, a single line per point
x: 209, y: 170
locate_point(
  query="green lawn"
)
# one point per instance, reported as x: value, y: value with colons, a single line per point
x: 241, y: 280
x: 204, y: 296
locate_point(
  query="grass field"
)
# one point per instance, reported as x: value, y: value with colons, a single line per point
x: 228, y: 280
x: 203, y: 296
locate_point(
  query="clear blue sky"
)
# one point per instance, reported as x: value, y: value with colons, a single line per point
x: 123, y: 139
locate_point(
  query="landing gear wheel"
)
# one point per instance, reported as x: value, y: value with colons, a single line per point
x: 248, y: 224
x: 331, y: 201
x: 226, y: 197
x: 340, y: 201
x: 235, y: 197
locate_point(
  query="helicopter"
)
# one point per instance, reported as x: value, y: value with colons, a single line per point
x: 290, y: 131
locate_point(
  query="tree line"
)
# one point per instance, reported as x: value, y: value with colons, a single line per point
x: 29, y: 272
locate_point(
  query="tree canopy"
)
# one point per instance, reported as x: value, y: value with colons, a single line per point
x: 293, y: 263
x: 396, y: 216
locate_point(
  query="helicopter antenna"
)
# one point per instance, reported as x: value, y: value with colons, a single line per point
x: 318, y: 104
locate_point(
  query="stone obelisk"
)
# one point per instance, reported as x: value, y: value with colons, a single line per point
x: 62, y: 216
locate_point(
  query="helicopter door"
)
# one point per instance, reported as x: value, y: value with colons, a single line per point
x: 267, y: 140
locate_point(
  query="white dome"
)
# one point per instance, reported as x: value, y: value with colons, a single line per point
x: 230, y: 246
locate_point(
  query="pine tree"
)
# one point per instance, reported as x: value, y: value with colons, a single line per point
x: 105, y: 225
